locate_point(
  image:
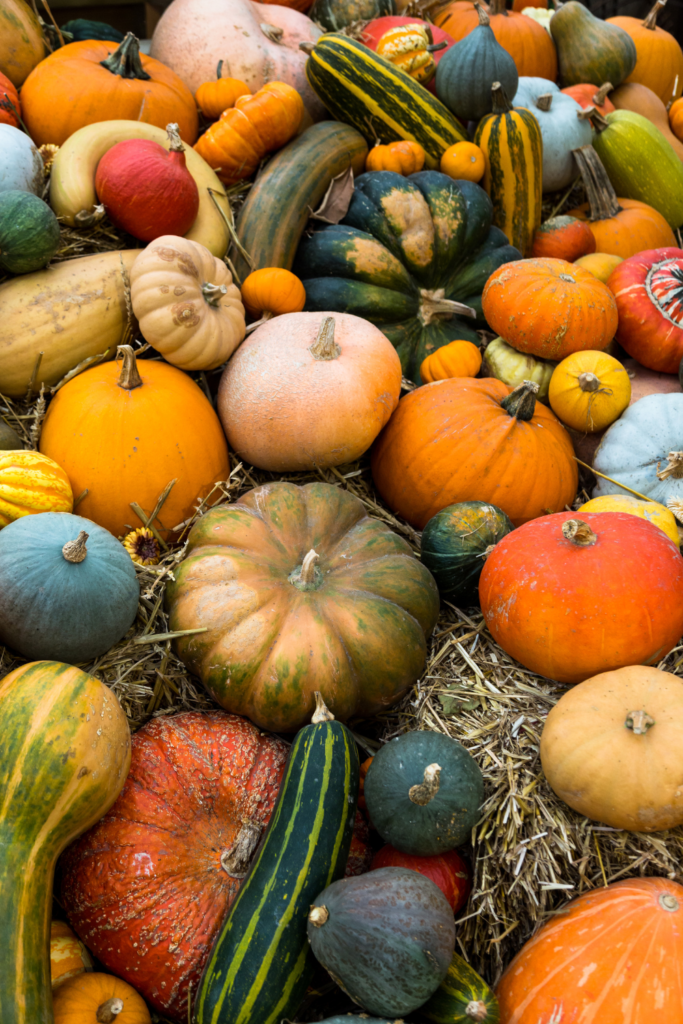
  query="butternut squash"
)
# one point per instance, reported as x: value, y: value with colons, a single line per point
x: 641, y: 100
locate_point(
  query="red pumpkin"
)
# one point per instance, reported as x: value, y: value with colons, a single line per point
x: 587, y: 95
x: 571, y: 597
x: 374, y: 30
x: 9, y: 102
x: 563, y: 238
x: 146, y: 190
x: 648, y: 288
x: 447, y: 870
x: 148, y: 887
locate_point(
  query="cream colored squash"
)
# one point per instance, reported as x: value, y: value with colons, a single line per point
x: 505, y: 363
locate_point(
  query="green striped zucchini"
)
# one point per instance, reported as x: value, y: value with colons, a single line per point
x: 461, y: 998
x: 261, y: 963
x: 363, y: 89
x: 299, y: 177
x: 513, y: 149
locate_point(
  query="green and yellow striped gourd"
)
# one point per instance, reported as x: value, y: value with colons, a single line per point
x: 461, y: 998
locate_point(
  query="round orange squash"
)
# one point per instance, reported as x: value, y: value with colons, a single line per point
x: 570, y: 597
x: 215, y: 97
x: 612, y: 956
x: 600, y: 264
x: 549, y: 308
x: 124, y: 433
x: 465, y: 161
x: 676, y: 119
x: 272, y: 291
x: 659, y: 58
x: 99, y: 999
x: 589, y: 390
x: 474, y: 440
x: 31, y: 483
x: 457, y: 359
x: 68, y: 955
x: 564, y: 238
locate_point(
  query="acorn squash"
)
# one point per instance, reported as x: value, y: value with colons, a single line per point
x: 590, y: 49
x: 83, y: 28
x: 29, y: 232
x: 412, y: 255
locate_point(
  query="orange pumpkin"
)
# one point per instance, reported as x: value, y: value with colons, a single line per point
x: 68, y: 955
x: 457, y: 359
x: 527, y: 42
x: 549, y: 308
x: 10, y: 106
x: 600, y: 264
x: 612, y: 956
x: 401, y: 157
x: 123, y: 434
x: 31, y: 483
x: 465, y: 161
x: 587, y: 95
x: 235, y: 145
x: 99, y: 999
x: 94, y: 80
x: 563, y: 238
x: 659, y: 58
x: 676, y: 118
x: 272, y: 291
x: 215, y: 97
x: 474, y: 440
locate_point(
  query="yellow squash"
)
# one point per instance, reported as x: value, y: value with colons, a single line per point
x: 655, y: 513
x: 589, y: 390
x: 31, y: 483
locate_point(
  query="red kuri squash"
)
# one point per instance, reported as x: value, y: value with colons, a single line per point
x: 447, y: 870
x: 587, y: 95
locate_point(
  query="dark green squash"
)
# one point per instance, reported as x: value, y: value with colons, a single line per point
x: 466, y: 72
x: 418, y: 294
x: 82, y: 28
x: 461, y: 998
x: 423, y: 792
x: 385, y: 937
x: 9, y: 439
x: 68, y: 589
x: 29, y: 232
x: 333, y: 15
x: 455, y: 544
x: 590, y: 49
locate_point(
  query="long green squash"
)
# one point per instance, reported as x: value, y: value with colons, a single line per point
x: 64, y: 757
x: 461, y: 998
x: 363, y: 89
x: 262, y: 963
x: 299, y: 176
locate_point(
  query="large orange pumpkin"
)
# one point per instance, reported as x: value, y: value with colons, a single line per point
x: 659, y: 60
x: 527, y: 42
x: 123, y: 434
x: 570, y: 597
x: 95, y: 80
x: 148, y: 887
x: 613, y: 956
x: 549, y: 308
x: 474, y: 440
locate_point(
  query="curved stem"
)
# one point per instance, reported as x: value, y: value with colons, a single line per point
x: 272, y: 32
x: 651, y: 20
x: 173, y: 132
x: 130, y: 377
x: 325, y: 347
x: 521, y: 402
x: 235, y: 860
x: 307, y: 574
x: 601, y: 95
x: 108, y: 1012
x: 639, y: 722
x: 674, y: 467
x: 318, y: 916
x: 588, y: 382
x: 322, y: 713
x: 578, y: 533
x: 125, y: 61
x: 213, y: 293
x: 501, y: 104
x: 483, y: 16
x: 434, y: 305
x: 602, y: 199
x: 75, y: 550
x: 219, y: 69
x: 425, y: 792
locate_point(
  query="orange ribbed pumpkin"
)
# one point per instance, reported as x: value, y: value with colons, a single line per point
x: 94, y: 998
x: 612, y: 957
x: 402, y: 157
x: 457, y: 359
x: 527, y: 42
x: 659, y: 58
x: 474, y: 440
x: 272, y: 291
x: 215, y: 97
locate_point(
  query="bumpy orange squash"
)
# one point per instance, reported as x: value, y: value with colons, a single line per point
x: 457, y: 359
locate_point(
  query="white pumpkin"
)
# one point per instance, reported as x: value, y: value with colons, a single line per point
x: 644, y: 450
x: 541, y: 15
x: 563, y: 125
x: 21, y: 165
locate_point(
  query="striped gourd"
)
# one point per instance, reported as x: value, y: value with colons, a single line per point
x: 64, y: 757
x: 461, y: 998
x: 363, y: 89
x: 513, y: 148
x: 261, y: 963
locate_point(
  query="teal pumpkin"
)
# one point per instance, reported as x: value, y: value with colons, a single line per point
x: 82, y: 28
x: 29, y: 232
x: 417, y: 294
x: 455, y: 544
x: 68, y: 589
x: 423, y: 792
x: 334, y: 15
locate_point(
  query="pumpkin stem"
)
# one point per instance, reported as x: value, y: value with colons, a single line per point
x: 602, y: 199
x: 639, y: 721
x: 318, y: 916
x: 272, y: 32
x: 307, y: 47
x: 307, y: 576
x: 75, y: 550
x: 483, y: 16
x: 434, y: 306
x: 589, y: 382
x: 213, y: 293
x: 578, y: 533
x: 235, y: 860
x: 674, y: 467
x: 425, y: 792
x: 322, y: 713
x: 125, y: 61
x: 601, y: 95
x: 435, y: 47
x: 477, y: 1011
x: 668, y: 901
x: 325, y: 347
x: 599, y: 122
x: 501, y: 104
x: 521, y: 402
x: 109, y: 1011
x: 587, y: 114
x: 173, y: 133
x: 219, y: 69
x: 130, y: 378
x: 257, y: 323
x: 545, y: 101
x: 651, y: 20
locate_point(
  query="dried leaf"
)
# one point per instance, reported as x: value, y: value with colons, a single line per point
x: 337, y: 198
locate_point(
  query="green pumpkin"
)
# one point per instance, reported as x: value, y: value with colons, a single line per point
x: 68, y: 589
x: 82, y: 28
x: 29, y: 232
x: 415, y: 807
x: 9, y: 439
x: 461, y: 998
x: 641, y: 163
x: 466, y: 72
x: 455, y: 544
x: 411, y: 255
x: 333, y: 15
x: 590, y: 49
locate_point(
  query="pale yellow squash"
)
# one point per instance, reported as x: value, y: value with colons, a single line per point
x: 655, y: 513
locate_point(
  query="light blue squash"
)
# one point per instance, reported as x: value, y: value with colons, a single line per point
x: 563, y: 129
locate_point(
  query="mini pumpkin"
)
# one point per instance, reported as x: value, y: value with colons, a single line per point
x: 676, y: 118
x: 457, y: 359
x: 403, y: 157
x: 10, y: 107
x: 98, y: 999
x: 655, y: 513
x: 587, y: 95
x: 188, y: 308
x: 272, y: 291
x: 563, y: 238
x: 221, y: 94
x: 648, y: 289
x: 31, y: 483
x: 464, y: 161
x: 589, y: 390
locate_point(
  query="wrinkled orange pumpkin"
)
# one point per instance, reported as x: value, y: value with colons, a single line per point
x: 457, y: 359
x: 215, y: 97
x: 403, y: 157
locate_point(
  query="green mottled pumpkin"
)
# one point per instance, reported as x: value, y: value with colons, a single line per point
x: 461, y: 998
x: 590, y: 49
x: 29, y: 232
x: 423, y: 792
x: 333, y: 15
x: 455, y: 544
x: 84, y: 28
x: 412, y: 255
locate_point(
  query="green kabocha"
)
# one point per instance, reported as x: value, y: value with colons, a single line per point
x: 29, y: 232
x: 455, y: 545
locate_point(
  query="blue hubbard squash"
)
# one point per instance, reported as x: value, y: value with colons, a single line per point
x: 68, y: 589
x: 455, y: 545
x: 29, y: 232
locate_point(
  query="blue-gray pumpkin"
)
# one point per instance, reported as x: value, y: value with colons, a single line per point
x: 68, y: 589
x: 564, y: 127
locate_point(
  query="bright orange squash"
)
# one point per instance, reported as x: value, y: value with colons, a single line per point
x: 659, y: 61
x: 221, y: 94
x: 403, y: 157
x: 272, y: 291
x: 457, y: 359
x: 563, y: 238
x: 464, y: 160
x: 99, y: 999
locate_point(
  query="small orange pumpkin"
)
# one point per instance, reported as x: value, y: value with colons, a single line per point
x: 10, y: 108
x: 215, y: 97
x: 272, y: 291
x: 676, y: 118
x: 98, y: 999
x: 68, y: 955
x: 563, y: 238
x: 31, y: 483
x: 587, y: 95
x: 589, y: 391
x: 457, y: 359
x: 401, y: 157
x: 465, y: 161
x: 600, y: 264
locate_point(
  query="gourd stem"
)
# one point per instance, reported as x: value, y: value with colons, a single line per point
x: 674, y: 467
x: 651, y: 20
x: 307, y: 574
x: 130, y: 377
x: 589, y: 382
x: 545, y: 101
x: 476, y: 1011
x: 257, y: 323
x: 322, y: 713
x: 501, y: 104
x: 109, y: 1011
x: 587, y: 114
x: 173, y: 132
x: 125, y: 61
x: 434, y: 305
x: 213, y: 293
x: 325, y: 347
x: 219, y: 69
x: 639, y: 722
x: 235, y: 860
x: 483, y: 16
x: 75, y: 550
x: 307, y: 47
x: 578, y: 533
x: 521, y: 402
x: 318, y: 916
x: 599, y: 122
x: 602, y: 199
x: 601, y: 95
x: 425, y: 792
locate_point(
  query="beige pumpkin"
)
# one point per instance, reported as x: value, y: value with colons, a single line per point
x: 68, y: 955
x: 309, y: 390
x: 187, y: 306
x: 611, y: 749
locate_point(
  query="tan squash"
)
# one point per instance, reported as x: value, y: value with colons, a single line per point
x: 52, y: 320
x: 641, y: 100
